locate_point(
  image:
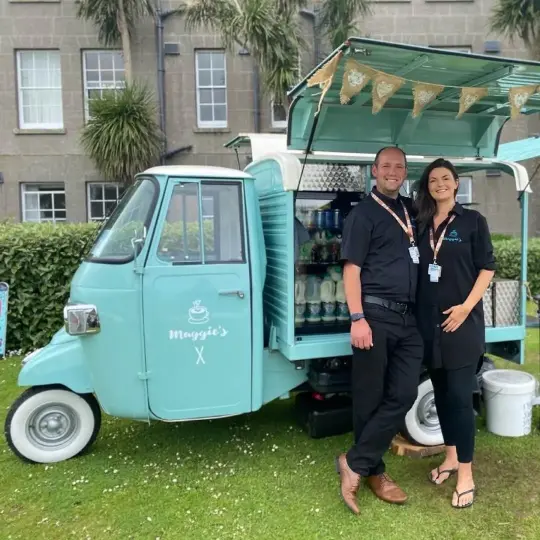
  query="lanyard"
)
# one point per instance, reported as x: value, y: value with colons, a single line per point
x: 440, y: 241
x: 408, y: 228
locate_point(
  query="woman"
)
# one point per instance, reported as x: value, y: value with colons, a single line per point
x: 456, y: 267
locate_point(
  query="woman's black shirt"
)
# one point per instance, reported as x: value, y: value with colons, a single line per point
x: 465, y: 251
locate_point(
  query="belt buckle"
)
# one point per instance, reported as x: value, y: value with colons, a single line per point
x: 403, y: 307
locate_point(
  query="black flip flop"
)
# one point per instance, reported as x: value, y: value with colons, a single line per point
x: 460, y: 507
x: 450, y: 472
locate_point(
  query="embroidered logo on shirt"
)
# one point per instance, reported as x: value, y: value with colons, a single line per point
x: 452, y: 236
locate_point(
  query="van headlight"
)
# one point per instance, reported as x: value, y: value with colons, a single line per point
x: 80, y: 319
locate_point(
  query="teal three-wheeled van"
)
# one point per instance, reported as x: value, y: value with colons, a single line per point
x: 210, y: 292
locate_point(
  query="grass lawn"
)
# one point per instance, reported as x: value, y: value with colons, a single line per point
x: 254, y: 477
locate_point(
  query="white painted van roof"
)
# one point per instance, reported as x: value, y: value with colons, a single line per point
x: 197, y: 171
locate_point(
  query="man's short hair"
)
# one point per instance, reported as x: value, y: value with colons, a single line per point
x: 375, y: 162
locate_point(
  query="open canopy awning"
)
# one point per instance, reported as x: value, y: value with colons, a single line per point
x: 373, y: 93
x: 519, y: 150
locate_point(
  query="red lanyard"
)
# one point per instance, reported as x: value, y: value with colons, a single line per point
x: 440, y: 241
x: 406, y: 228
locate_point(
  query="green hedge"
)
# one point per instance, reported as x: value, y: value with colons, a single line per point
x: 39, y: 260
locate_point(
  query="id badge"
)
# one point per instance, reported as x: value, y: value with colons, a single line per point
x: 434, y: 271
x: 415, y: 254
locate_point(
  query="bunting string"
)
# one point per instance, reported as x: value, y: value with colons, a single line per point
x: 357, y: 76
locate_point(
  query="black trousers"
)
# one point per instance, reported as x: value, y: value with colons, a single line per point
x: 453, y: 391
x: 384, y: 386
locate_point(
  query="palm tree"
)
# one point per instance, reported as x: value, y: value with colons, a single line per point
x: 270, y: 30
x: 518, y: 18
x: 337, y: 19
x: 122, y: 136
x: 116, y: 21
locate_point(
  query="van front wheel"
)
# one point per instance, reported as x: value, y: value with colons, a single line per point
x: 51, y: 424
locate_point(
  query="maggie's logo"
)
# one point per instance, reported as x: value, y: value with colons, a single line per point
x: 453, y: 236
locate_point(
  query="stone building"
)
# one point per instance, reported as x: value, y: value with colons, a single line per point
x: 51, y: 64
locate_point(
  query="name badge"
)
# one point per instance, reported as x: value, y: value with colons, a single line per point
x: 434, y: 271
x: 415, y: 254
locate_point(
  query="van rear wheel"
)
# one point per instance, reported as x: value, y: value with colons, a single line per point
x: 422, y: 425
x: 51, y: 423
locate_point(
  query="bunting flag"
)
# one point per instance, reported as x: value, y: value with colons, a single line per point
x: 355, y: 77
x: 384, y: 87
x: 518, y: 97
x: 469, y: 96
x: 424, y: 93
x: 324, y: 77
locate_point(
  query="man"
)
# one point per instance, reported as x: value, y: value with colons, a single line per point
x: 381, y: 261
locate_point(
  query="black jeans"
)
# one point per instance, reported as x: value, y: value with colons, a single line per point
x: 454, y: 401
x: 384, y: 386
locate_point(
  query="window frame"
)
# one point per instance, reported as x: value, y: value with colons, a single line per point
x: 89, y: 201
x: 465, y: 181
x: 216, y: 218
x: 86, y: 100
x: 20, y: 101
x: 54, y: 220
x: 277, y: 124
x: 211, y: 124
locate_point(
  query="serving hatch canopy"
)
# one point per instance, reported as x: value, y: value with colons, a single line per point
x: 430, y: 102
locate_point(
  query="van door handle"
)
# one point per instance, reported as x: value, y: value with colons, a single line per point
x: 240, y: 294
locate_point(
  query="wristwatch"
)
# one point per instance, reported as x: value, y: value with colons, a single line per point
x: 357, y: 317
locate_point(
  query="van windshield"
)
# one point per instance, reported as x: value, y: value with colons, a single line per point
x: 128, y: 222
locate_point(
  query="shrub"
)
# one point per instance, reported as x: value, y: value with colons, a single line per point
x: 508, y: 254
x: 38, y: 262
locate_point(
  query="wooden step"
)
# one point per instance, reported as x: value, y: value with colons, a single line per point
x: 401, y: 447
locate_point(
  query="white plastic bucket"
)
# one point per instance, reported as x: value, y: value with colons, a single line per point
x: 509, y: 396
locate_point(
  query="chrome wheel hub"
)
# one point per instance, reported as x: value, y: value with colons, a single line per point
x: 427, y: 413
x: 52, y: 426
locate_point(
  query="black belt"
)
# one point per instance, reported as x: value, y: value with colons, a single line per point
x: 399, y: 307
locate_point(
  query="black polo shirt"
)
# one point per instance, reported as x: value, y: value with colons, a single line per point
x: 465, y: 251
x: 374, y: 241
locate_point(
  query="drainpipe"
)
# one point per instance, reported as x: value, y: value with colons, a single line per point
x: 160, y: 16
x: 256, y: 98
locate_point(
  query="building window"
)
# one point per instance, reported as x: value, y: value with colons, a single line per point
x: 211, y: 89
x: 39, y: 82
x: 102, y: 199
x: 103, y: 70
x: 279, y: 115
x: 464, y: 195
x: 43, y: 202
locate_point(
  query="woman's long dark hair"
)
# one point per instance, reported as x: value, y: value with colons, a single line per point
x: 424, y: 203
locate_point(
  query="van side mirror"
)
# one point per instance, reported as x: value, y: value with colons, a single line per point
x: 137, y: 243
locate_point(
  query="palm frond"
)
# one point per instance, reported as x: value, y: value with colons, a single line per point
x: 517, y: 18
x: 104, y: 15
x: 337, y: 19
x: 122, y: 137
x: 272, y: 36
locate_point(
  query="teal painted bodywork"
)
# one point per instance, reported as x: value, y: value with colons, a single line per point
x: 60, y: 362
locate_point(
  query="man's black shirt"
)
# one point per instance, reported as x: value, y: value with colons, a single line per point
x: 374, y: 241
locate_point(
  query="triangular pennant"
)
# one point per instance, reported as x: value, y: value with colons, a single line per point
x: 518, y: 96
x: 324, y: 77
x: 469, y: 96
x: 384, y: 87
x: 423, y: 94
x: 355, y: 77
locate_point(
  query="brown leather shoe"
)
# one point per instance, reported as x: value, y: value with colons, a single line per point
x: 350, y: 482
x: 386, y: 489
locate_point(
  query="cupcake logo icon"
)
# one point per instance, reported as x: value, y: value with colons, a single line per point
x: 198, y: 314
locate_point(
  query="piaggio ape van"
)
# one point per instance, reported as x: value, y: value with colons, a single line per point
x: 210, y: 292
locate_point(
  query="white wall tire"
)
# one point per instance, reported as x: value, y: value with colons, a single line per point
x: 51, y: 424
x: 421, y: 422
